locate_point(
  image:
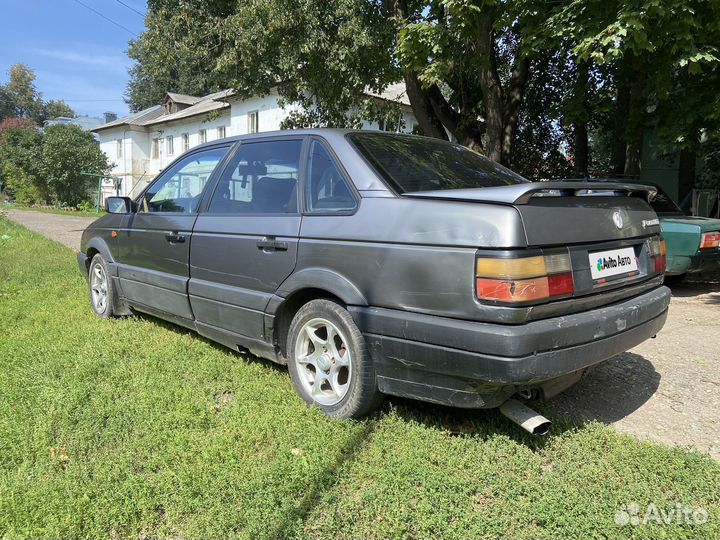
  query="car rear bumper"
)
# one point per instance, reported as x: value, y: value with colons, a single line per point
x: 706, y: 260
x: 473, y: 364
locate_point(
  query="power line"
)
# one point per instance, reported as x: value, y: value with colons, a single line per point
x: 130, y: 8
x: 106, y: 18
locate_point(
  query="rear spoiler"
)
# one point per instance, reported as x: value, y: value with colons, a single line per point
x: 522, y: 193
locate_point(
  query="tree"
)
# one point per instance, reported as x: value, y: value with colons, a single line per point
x: 68, y: 151
x: 20, y: 98
x: 566, y: 78
x: 54, y: 108
x: 26, y: 100
x: 178, y: 51
x: 20, y: 160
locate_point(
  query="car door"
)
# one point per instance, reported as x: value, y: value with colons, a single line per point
x: 245, y: 241
x: 154, y: 246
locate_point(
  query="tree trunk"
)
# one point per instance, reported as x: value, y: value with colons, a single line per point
x: 422, y: 108
x: 635, y: 120
x: 622, y: 108
x: 686, y: 173
x: 580, y: 132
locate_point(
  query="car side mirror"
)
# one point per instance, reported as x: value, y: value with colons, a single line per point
x: 119, y: 205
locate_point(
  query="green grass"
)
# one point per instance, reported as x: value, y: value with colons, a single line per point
x: 134, y: 428
x: 57, y: 210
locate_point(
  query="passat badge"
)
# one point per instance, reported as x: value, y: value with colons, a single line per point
x: 618, y: 220
x: 650, y: 222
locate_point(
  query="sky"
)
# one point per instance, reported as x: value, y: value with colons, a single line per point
x: 77, y: 55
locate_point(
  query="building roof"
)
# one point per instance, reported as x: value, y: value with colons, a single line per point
x: 204, y: 106
x: 394, y: 92
x: 157, y: 114
x: 134, y: 119
x: 183, y: 98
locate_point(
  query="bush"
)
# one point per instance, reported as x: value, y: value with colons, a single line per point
x: 67, y: 152
x: 21, y: 186
x: 47, y: 165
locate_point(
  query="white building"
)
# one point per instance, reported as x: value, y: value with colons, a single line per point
x: 142, y: 144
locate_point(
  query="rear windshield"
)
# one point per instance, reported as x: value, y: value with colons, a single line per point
x: 409, y: 163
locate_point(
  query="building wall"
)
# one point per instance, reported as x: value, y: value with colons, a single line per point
x: 137, y: 167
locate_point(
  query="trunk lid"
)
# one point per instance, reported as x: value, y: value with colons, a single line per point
x: 595, y: 227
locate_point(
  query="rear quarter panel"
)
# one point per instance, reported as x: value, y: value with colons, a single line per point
x: 409, y: 254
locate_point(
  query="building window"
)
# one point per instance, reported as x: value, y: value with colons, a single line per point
x: 119, y: 148
x: 155, y: 149
x: 185, y: 142
x: 169, y: 145
x: 202, y: 135
x: 221, y: 132
x: 253, y: 122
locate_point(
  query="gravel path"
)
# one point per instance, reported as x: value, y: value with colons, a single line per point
x: 666, y: 389
x: 64, y: 229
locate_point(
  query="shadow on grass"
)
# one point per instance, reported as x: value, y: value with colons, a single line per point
x: 611, y: 391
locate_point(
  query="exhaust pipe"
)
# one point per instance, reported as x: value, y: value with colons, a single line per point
x: 525, y: 417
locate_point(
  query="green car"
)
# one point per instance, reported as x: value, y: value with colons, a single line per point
x: 693, y: 242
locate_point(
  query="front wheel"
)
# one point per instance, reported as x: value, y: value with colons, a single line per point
x: 329, y: 363
x: 101, y: 288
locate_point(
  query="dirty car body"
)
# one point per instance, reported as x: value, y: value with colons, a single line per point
x: 468, y: 284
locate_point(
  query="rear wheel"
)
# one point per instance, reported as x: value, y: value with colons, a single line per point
x: 329, y: 362
x: 101, y: 288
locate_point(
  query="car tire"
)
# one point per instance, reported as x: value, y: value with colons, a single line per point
x: 337, y: 374
x: 100, y: 286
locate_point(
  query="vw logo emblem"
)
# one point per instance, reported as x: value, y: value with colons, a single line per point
x: 618, y: 220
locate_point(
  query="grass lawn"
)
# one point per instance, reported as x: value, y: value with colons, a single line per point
x: 60, y: 211
x: 134, y: 428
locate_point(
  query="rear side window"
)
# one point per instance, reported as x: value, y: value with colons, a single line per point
x: 327, y: 190
x: 410, y: 164
x: 261, y: 178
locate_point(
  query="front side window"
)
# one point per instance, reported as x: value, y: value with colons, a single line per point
x: 202, y: 135
x: 155, y: 153
x: 327, y: 190
x: 169, y: 146
x: 179, y: 189
x: 221, y: 132
x: 260, y: 179
x: 119, y: 144
x: 410, y: 164
x: 185, y: 142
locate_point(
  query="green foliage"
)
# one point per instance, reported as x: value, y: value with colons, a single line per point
x: 21, y: 186
x: 54, y: 108
x: 136, y: 428
x: 67, y: 152
x: 20, y: 160
x: 480, y: 67
x: 37, y: 166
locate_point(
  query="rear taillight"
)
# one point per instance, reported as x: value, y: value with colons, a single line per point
x: 658, y: 254
x: 523, y: 279
x: 710, y: 240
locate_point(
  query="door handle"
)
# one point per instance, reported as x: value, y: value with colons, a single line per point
x: 269, y: 243
x: 175, y: 238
